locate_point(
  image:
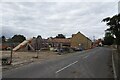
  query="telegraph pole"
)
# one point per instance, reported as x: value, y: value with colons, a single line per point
x: 93, y: 38
x: 37, y: 47
x: 11, y: 53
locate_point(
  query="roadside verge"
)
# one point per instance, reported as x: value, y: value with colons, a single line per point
x: 115, y: 63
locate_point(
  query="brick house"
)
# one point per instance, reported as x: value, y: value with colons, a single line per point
x: 80, y: 40
x: 59, y: 42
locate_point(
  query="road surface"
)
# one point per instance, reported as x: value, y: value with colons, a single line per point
x: 94, y: 63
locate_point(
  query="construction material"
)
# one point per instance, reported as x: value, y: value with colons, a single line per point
x: 21, y: 45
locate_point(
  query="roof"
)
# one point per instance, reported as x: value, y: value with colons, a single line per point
x: 81, y: 34
x: 60, y: 40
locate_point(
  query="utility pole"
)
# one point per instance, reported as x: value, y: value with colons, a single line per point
x: 93, y: 38
x: 11, y: 53
x: 37, y: 47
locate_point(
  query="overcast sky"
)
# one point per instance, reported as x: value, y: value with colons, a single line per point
x: 51, y: 18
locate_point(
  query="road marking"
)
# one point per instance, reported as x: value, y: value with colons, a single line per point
x: 66, y: 67
x: 114, y: 70
x: 86, y: 56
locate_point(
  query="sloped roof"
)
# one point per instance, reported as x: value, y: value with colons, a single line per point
x: 81, y: 34
x: 60, y: 40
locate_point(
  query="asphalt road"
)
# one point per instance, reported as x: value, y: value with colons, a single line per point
x: 94, y: 63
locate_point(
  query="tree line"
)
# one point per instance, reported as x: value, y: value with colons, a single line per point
x: 14, y: 39
x: 112, y: 35
x: 21, y: 38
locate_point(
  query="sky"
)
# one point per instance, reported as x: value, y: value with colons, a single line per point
x: 51, y: 18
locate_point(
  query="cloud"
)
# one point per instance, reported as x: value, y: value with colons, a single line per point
x: 51, y: 18
x: 59, y: 0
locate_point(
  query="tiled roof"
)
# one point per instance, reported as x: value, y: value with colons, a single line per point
x: 60, y: 40
x: 81, y: 34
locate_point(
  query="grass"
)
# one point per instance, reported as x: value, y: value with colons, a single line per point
x: 116, y: 55
x: 119, y: 63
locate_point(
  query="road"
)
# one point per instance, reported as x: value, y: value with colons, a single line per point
x: 94, y: 63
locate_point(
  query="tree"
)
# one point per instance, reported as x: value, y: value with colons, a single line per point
x: 39, y: 36
x: 9, y: 40
x: 3, y: 39
x: 18, y: 38
x: 114, y: 27
x: 60, y: 36
x: 108, y: 39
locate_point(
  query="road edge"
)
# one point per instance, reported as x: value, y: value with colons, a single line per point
x: 114, y: 69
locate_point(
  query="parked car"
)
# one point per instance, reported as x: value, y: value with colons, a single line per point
x: 78, y: 49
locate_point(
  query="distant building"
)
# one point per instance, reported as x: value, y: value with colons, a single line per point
x: 98, y: 42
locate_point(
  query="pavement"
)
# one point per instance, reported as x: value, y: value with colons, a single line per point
x: 94, y: 63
